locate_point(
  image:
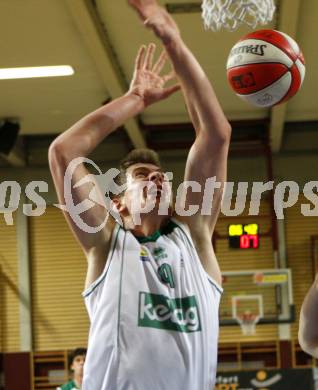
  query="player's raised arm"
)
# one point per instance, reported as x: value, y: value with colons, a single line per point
x: 308, y: 323
x: 207, y: 158
x: 147, y: 87
x: 208, y: 155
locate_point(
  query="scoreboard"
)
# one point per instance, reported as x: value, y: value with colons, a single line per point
x: 243, y: 236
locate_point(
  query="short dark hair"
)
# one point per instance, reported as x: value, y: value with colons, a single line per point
x: 77, y: 352
x: 136, y: 156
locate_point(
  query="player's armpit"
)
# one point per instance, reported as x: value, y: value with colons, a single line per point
x: 98, y: 255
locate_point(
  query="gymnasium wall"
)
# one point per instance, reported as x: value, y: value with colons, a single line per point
x: 9, y: 291
x: 58, y: 269
x: 297, y: 167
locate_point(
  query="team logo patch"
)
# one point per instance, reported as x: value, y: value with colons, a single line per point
x: 144, y: 254
x: 166, y: 275
x: 159, y: 253
x: 161, y: 312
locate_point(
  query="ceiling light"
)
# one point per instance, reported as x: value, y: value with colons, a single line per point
x: 39, y: 71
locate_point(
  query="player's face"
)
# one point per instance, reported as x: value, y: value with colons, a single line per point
x: 146, y: 183
x: 78, y: 364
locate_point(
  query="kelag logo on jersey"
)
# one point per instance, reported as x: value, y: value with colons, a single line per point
x: 161, y: 312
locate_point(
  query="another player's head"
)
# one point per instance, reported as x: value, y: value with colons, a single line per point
x: 76, y: 361
x: 145, y: 181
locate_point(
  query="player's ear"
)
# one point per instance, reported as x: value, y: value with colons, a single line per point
x: 118, y: 205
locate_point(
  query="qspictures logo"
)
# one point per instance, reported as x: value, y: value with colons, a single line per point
x: 103, y: 187
x: 161, y: 312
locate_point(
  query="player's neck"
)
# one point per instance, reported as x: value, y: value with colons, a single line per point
x: 78, y: 379
x: 149, y: 225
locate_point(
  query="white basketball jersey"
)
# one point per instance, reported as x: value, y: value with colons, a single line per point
x: 154, y: 316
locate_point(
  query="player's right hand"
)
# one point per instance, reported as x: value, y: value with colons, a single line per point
x: 147, y: 82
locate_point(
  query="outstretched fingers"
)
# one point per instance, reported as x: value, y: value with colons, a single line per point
x: 149, y: 56
x: 140, y: 58
x: 160, y: 63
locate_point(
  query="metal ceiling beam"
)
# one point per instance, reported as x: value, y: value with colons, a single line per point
x: 91, y: 29
x: 288, y: 23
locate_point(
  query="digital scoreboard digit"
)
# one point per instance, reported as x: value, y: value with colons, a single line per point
x: 243, y: 236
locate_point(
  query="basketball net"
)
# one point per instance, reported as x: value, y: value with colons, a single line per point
x: 248, y: 323
x: 230, y: 14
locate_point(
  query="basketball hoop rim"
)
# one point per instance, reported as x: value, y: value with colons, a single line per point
x: 248, y: 328
x: 256, y: 318
x: 217, y: 14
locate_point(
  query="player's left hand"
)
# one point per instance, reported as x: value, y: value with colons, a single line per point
x: 147, y: 82
x: 143, y: 7
x: 157, y: 19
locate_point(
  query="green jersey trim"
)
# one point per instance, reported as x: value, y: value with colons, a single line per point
x: 120, y: 286
x: 69, y: 386
x: 167, y: 229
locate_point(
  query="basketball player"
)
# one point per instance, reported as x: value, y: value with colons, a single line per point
x: 308, y: 329
x: 76, y: 363
x: 152, y: 289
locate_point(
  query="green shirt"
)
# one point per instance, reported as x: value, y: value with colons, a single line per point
x: 69, y: 386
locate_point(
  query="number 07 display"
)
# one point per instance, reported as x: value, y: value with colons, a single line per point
x: 243, y: 236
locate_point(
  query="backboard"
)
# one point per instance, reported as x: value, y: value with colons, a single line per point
x: 265, y: 293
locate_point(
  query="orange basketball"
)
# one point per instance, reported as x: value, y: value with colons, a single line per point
x: 265, y: 68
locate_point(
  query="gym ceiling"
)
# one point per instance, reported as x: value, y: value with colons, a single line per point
x: 99, y: 39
